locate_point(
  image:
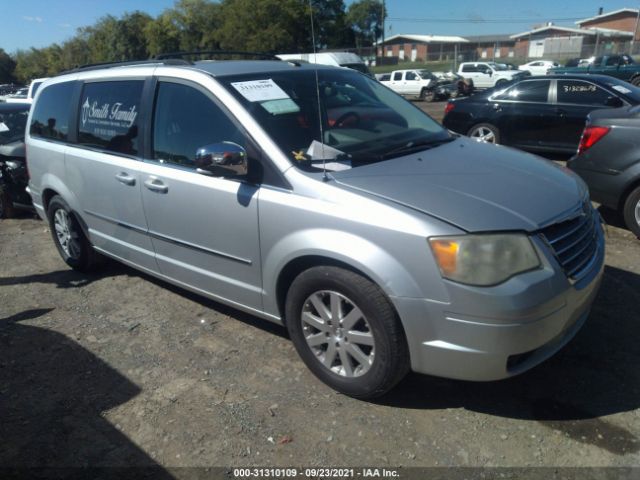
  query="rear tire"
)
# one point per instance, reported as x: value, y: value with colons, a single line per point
x: 631, y: 212
x: 636, y: 81
x: 501, y: 83
x: 485, y: 133
x: 69, y: 238
x: 6, y: 205
x: 346, y: 331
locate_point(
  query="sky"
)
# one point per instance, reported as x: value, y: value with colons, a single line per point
x: 38, y: 23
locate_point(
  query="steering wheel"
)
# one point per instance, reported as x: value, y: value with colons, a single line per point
x: 340, y: 122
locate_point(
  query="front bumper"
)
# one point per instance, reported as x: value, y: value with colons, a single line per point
x: 486, y: 334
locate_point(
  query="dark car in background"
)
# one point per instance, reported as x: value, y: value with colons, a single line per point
x: 13, y: 167
x: 608, y: 160
x: 540, y: 114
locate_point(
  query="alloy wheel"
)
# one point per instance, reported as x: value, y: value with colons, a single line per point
x: 338, y: 333
x: 67, y: 237
x: 483, y: 134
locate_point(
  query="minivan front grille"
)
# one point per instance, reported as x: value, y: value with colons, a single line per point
x: 574, y: 242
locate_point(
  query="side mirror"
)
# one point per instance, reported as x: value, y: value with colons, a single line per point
x: 226, y: 159
x: 613, y: 102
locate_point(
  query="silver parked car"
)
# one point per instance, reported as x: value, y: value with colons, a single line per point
x: 317, y: 198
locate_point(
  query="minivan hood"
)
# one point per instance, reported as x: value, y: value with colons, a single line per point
x: 474, y: 186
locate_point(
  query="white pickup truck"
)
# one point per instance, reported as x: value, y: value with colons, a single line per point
x: 488, y: 74
x: 420, y: 84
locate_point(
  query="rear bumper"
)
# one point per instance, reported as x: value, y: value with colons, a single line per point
x: 36, y: 198
x: 604, y: 188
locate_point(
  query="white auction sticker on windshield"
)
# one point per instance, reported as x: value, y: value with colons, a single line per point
x: 260, y: 90
x: 3, y: 127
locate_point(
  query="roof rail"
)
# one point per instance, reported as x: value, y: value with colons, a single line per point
x: 98, y: 66
x: 175, y: 55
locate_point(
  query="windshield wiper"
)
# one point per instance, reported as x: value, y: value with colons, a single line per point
x: 414, y: 146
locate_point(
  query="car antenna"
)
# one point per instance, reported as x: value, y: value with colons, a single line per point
x: 315, y: 69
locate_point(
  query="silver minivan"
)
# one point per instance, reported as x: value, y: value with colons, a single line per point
x: 317, y: 198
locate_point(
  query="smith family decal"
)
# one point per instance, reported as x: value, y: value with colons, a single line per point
x: 106, y: 114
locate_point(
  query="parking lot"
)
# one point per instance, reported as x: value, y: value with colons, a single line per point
x: 121, y: 369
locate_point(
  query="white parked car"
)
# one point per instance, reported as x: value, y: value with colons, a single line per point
x: 25, y: 95
x: 538, y: 67
x: 488, y: 74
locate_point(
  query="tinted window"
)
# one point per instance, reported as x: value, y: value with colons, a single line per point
x: 581, y: 93
x: 12, y: 124
x: 51, y: 112
x: 185, y: 119
x: 613, y: 60
x: 469, y: 68
x: 410, y: 76
x: 108, y: 116
x: 353, y: 115
x: 35, y: 88
x: 397, y: 76
x: 533, y: 91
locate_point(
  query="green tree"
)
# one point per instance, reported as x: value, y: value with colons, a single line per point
x: 268, y: 25
x: 112, y: 39
x: 7, y: 66
x: 162, y: 34
x: 330, y: 23
x: 75, y: 52
x: 366, y: 17
x: 30, y: 64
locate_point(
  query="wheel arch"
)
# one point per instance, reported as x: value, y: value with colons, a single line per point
x: 284, y: 262
x: 298, y: 265
x: 57, y: 188
x: 630, y: 187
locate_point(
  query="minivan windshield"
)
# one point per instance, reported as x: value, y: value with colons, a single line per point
x: 347, y: 118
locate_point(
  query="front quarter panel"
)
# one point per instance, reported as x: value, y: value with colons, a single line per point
x: 384, y: 242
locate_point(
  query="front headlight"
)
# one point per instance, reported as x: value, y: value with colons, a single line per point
x: 484, y: 260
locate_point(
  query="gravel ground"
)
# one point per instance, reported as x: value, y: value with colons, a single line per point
x: 120, y: 369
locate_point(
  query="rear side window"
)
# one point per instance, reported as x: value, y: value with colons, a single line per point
x: 108, y: 116
x: 50, y: 118
x: 581, y: 93
x: 397, y: 76
x: 469, y: 68
x: 530, y: 91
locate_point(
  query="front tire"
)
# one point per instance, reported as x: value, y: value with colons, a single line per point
x: 346, y: 331
x: 69, y: 238
x: 485, y: 133
x: 631, y: 212
x: 427, y: 95
x: 636, y: 81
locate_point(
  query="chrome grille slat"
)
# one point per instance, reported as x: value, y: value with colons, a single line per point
x: 587, y: 258
x: 567, y: 234
x: 574, y: 242
x: 578, y: 253
x: 586, y: 232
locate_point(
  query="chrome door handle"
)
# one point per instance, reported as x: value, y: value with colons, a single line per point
x: 156, y: 185
x: 125, y: 178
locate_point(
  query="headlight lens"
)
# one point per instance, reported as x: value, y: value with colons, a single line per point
x: 483, y: 260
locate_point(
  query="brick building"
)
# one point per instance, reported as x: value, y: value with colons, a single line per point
x: 420, y: 48
x: 625, y: 19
